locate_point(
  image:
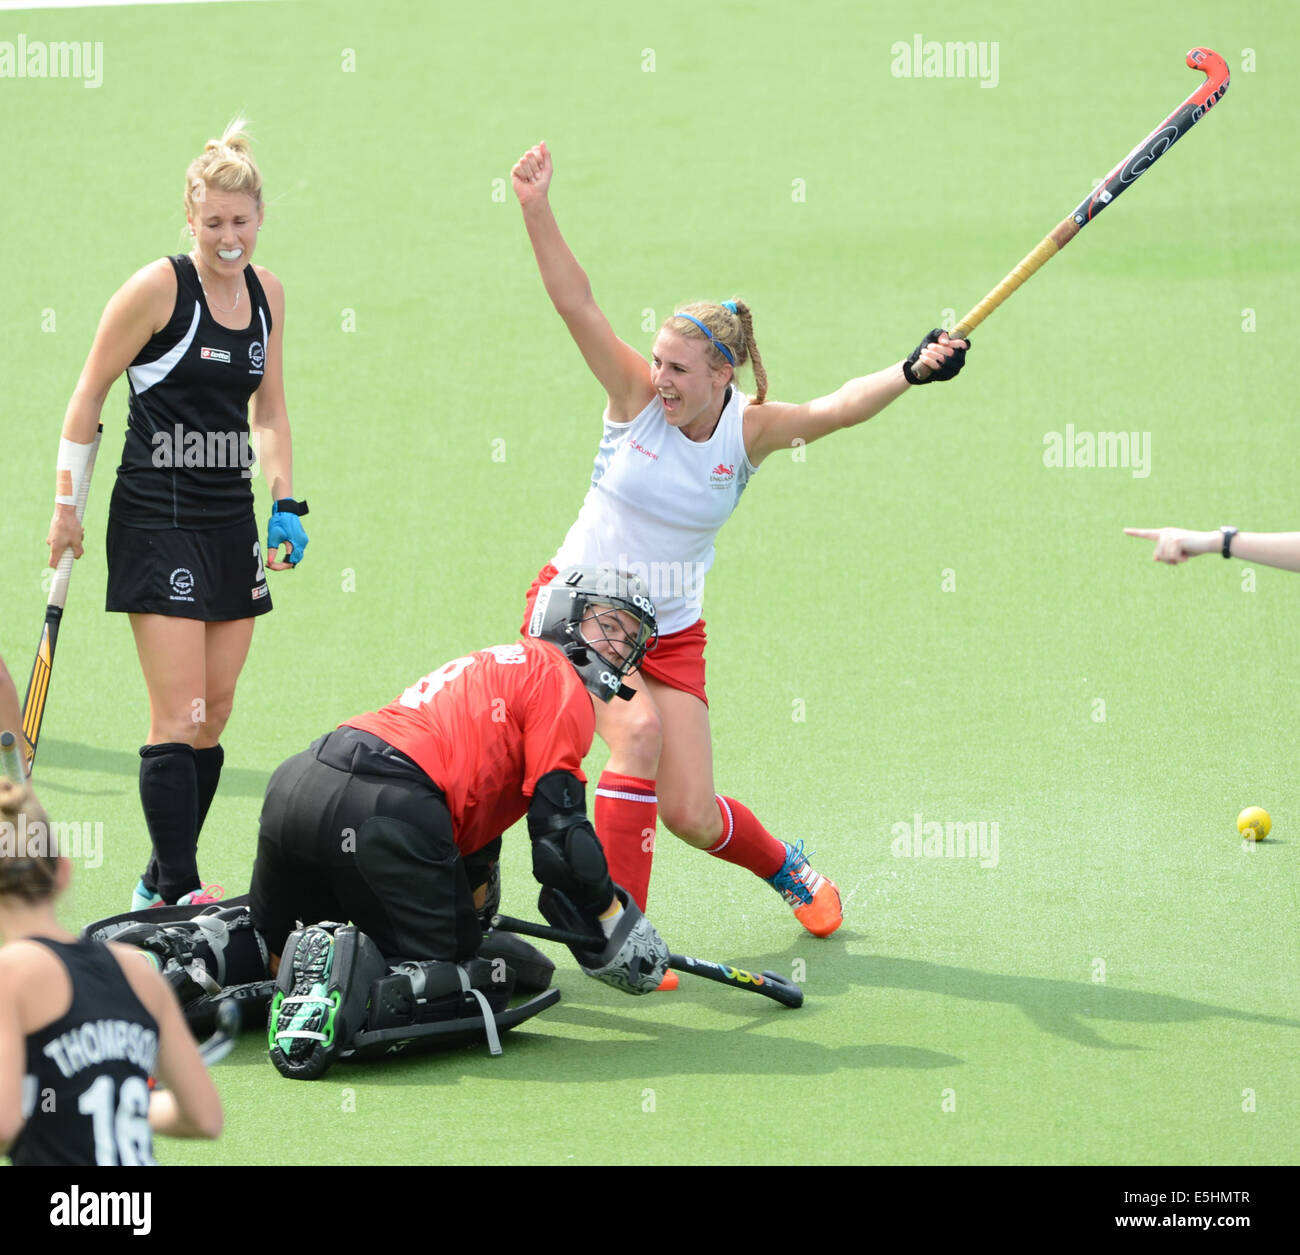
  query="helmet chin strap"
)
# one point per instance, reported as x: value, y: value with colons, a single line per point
x: 625, y: 690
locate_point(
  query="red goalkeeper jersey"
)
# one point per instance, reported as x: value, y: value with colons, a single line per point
x: 487, y: 727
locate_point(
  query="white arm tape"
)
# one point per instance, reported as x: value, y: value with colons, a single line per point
x: 70, y: 469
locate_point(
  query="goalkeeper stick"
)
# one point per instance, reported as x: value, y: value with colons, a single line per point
x: 769, y: 984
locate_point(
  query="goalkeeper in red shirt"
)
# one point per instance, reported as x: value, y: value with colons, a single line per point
x: 394, y: 820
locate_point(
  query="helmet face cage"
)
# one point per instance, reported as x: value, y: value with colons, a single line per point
x: 611, y: 629
x: 558, y: 617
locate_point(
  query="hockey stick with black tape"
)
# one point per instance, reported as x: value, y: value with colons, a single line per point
x: 1139, y: 160
x: 38, y: 686
x: 769, y: 984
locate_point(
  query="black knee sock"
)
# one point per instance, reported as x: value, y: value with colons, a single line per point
x: 207, y: 765
x: 169, y: 793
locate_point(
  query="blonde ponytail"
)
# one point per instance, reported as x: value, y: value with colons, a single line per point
x: 732, y: 328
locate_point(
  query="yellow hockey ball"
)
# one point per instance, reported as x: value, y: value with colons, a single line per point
x: 1253, y: 823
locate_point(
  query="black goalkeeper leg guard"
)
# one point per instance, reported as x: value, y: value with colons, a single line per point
x: 439, y: 1005
x: 337, y: 998
x: 203, y: 954
x: 169, y: 794
x: 207, y: 954
x: 251, y: 999
x: 532, y: 969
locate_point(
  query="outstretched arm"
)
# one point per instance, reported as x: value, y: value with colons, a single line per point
x: 1176, y: 544
x: 619, y: 368
x: 777, y: 425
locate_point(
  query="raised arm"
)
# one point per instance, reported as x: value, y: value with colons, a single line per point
x: 778, y: 425
x: 619, y: 368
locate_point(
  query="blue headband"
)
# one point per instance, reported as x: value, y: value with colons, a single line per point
x: 717, y: 344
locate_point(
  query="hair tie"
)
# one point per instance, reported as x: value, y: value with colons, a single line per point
x: 731, y: 305
x: 717, y: 344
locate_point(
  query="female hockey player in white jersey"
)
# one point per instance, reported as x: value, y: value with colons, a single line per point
x: 680, y: 443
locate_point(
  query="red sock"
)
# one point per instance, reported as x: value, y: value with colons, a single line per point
x: 745, y: 841
x: 625, y: 813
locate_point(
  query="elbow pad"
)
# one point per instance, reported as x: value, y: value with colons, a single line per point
x: 567, y: 854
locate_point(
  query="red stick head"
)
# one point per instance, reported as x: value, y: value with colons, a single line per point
x: 1215, y: 69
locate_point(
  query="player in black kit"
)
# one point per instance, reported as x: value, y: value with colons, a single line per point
x: 199, y: 336
x: 83, y: 1025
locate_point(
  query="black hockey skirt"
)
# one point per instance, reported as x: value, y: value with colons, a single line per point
x: 212, y: 575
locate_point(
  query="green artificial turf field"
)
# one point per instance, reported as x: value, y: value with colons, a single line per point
x: 915, y: 622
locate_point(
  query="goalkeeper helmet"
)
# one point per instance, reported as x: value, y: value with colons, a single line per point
x: 602, y: 619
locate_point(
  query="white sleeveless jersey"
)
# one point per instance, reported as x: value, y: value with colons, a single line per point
x: 656, y: 502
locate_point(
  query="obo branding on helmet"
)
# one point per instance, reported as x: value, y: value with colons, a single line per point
x: 619, y: 618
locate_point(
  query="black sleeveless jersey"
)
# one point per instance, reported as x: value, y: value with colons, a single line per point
x: 188, y: 459
x: 86, y: 1084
